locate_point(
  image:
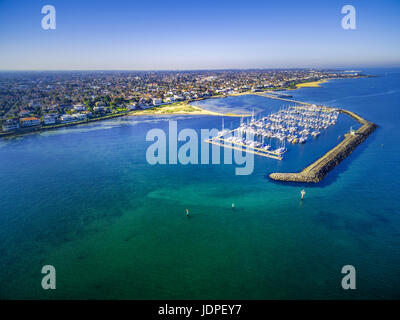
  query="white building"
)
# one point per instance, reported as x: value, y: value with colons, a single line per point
x: 10, y: 125
x: 79, y: 107
x: 79, y: 116
x: 99, y: 108
x: 157, y: 101
x: 67, y: 118
x: 178, y: 98
x: 49, y: 119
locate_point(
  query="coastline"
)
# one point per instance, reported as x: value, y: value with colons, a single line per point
x: 29, y: 130
x: 176, y: 108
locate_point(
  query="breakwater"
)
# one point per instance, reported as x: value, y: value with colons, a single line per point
x: 315, y: 172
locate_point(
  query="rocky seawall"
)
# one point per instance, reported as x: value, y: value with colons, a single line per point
x: 319, y: 169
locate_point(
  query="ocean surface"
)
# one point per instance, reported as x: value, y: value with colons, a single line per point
x: 85, y: 200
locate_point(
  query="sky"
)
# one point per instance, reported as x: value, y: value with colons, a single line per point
x: 182, y: 35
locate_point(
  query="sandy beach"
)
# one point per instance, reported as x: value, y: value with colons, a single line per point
x: 313, y: 84
x: 181, y: 108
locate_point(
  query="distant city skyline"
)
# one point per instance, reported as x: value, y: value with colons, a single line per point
x: 186, y: 35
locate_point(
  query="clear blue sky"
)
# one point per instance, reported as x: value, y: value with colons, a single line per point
x: 198, y: 34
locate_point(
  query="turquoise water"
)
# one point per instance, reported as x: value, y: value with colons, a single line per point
x: 85, y: 200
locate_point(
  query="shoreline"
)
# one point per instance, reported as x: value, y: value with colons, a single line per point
x: 176, y: 108
x: 30, y: 130
x: 154, y: 111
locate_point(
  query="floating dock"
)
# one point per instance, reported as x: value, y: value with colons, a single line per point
x: 220, y: 141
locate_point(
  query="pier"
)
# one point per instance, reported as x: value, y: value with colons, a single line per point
x: 222, y: 142
x: 315, y: 172
x: 276, y: 97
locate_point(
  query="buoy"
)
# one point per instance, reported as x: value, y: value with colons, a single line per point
x: 302, y: 194
x: 187, y: 212
x: 233, y: 205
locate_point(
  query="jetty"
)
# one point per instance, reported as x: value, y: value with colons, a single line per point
x: 240, y: 146
x: 316, y: 171
x: 271, y: 95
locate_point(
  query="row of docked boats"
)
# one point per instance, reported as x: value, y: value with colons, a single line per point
x: 253, y: 142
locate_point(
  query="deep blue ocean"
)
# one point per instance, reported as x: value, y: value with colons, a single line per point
x: 85, y: 200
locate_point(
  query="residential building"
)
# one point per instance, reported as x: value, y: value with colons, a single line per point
x: 157, y: 101
x: 79, y: 116
x: 79, y: 107
x: 49, y: 119
x: 10, y: 125
x: 30, y: 122
x: 67, y: 118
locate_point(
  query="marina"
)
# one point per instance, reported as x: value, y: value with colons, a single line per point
x: 267, y: 136
x: 316, y: 171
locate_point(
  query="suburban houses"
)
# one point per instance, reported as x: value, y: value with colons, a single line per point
x: 46, y: 99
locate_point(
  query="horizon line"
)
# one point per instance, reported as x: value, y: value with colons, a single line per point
x: 201, y: 69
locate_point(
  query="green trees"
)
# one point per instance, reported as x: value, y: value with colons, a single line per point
x: 38, y: 111
x: 107, y: 99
